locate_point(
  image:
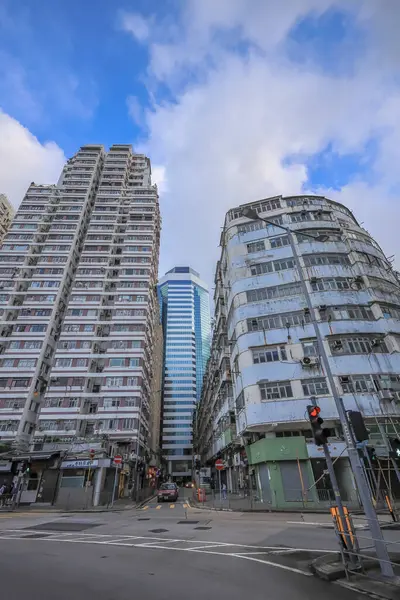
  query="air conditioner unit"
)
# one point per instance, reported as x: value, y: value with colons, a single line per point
x: 313, y: 280
x: 375, y: 343
x: 337, y: 344
x: 309, y: 362
x: 322, y: 307
x: 344, y: 379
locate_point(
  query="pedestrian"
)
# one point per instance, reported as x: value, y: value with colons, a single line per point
x: 3, y: 490
x: 224, y: 491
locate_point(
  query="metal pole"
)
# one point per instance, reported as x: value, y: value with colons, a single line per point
x: 338, y: 500
x: 355, y: 462
x: 115, y: 485
x: 389, y: 449
x: 220, y: 487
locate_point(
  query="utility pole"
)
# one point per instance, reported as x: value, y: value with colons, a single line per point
x: 355, y: 461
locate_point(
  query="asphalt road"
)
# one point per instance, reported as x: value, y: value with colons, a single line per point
x: 38, y: 571
x: 161, y: 551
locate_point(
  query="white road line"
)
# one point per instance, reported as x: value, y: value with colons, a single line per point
x: 272, y: 564
x: 211, y: 546
x: 160, y: 540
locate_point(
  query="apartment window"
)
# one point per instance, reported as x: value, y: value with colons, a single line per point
x: 389, y: 312
x: 129, y: 423
x: 258, y: 246
x: 351, y: 312
x: 31, y: 362
x: 357, y: 345
x: 315, y: 387
x: 114, y: 381
x: 111, y: 403
x: 276, y: 390
x: 269, y: 354
x: 134, y: 362
x: 253, y: 226
x: 132, y: 381
x: 337, y: 283
x: 313, y: 260
x: 117, y: 362
x: 330, y: 234
x: 267, y: 205
x: 356, y: 384
x: 269, y: 293
x: 279, y: 241
x: 63, y: 362
x: 277, y: 321
x: 310, y: 348
x: 298, y: 217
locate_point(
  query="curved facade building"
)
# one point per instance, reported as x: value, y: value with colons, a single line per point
x: 185, y: 316
x: 273, y: 353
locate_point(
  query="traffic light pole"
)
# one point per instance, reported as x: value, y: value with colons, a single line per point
x: 355, y: 461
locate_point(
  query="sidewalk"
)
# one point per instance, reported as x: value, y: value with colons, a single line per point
x: 119, y: 506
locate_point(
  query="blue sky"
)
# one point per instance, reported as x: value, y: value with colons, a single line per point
x: 230, y: 104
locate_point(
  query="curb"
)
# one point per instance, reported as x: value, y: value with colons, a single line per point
x: 196, y: 505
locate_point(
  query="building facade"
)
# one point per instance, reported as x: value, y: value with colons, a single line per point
x: 79, y: 308
x: 265, y: 343
x: 6, y: 215
x: 185, y: 317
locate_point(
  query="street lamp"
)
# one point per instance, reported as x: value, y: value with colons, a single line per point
x: 359, y: 475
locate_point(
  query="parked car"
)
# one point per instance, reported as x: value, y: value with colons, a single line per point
x: 168, y: 491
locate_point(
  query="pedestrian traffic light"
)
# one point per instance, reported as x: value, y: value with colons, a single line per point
x: 395, y: 447
x: 321, y: 434
x: 372, y: 454
x: 356, y: 419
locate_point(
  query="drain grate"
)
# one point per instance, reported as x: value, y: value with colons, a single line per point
x: 144, y: 519
x: 202, y: 528
x: 187, y: 522
x: 35, y: 536
x: 64, y: 526
x: 158, y: 530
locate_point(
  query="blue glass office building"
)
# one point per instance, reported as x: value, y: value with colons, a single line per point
x: 185, y: 316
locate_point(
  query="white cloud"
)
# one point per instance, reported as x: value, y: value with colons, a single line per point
x: 236, y: 117
x: 135, y: 24
x: 135, y: 110
x: 24, y: 159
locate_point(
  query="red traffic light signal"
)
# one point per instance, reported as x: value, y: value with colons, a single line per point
x: 92, y: 454
x: 320, y: 433
x: 314, y: 411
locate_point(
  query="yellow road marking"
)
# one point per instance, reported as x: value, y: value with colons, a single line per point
x: 172, y: 506
x: 158, y: 507
x: 145, y: 508
x: 185, y: 506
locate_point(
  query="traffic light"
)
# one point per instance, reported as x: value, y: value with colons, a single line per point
x: 92, y: 454
x: 320, y: 433
x: 395, y: 447
x: 361, y: 433
x: 372, y: 454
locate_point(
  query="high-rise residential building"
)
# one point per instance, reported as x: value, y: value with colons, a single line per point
x: 6, y: 215
x: 264, y: 340
x: 185, y: 315
x: 79, y: 306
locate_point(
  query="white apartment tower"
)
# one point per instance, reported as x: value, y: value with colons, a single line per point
x: 78, y: 272
x: 6, y: 215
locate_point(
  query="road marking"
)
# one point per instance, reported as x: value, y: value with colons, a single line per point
x: 185, y: 506
x: 172, y: 505
x: 214, y: 546
x: 145, y: 508
x: 158, y: 507
x: 271, y: 564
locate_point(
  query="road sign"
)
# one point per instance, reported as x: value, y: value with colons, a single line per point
x: 117, y: 459
x: 219, y: 464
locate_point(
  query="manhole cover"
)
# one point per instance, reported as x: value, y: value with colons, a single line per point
x: 187, y: 522
x: 158, y: 530
x: 35, y: 536
x: 202, y: 528
x: 64, y: 526
x: 144, y: 519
